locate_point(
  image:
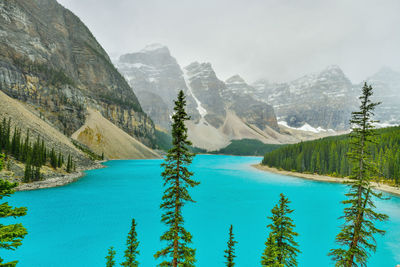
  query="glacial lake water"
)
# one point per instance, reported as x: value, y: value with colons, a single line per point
x: 74, y: 225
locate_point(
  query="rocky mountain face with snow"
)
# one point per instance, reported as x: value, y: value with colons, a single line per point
x: 204, y: 85
x: 240, y: 97
x: 220, y: 111
x: 315, y: 105
x: 322, y: 100
x: 156, y: 79
x: 386, y: 84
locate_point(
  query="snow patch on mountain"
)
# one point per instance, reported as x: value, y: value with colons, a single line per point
x: 306, y: 127
x: 202, y: 111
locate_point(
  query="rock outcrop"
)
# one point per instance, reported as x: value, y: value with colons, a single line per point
x: 103, y: 137
x: 156, y: 78
x: 52, y: 62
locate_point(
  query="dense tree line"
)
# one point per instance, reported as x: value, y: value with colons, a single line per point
x: 34, y: 154
x: 329, y: 155
x: 247, y: 147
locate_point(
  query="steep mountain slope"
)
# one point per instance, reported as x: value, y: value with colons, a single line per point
x: 323, y: 99
x: 103, y: 136
x: 51, y: 61
x: 156, y: 79
x: 241, y: 98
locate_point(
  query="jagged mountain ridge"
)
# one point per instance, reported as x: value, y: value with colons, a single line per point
x: 51, y: 61
x: 216, y: 118
x: 156, y: 79
x: 325, y: 100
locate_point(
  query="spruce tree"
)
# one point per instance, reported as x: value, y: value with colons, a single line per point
x: 132, y: 247
x: 177, y: 179
x: 282, y: 234
x: 10, y: 235
x: 53, y: 159
x: 110, y: 257
x: 270, y: 256
x: 1, y: 161
x: 230, y: 252
x: 59, y: 160
x: 28, y: 172
x: 356, y: 237
x: 69, y: 164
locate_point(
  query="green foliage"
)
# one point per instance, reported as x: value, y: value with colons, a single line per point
x: 86, y: 150
x: 230, y: 252
x: 110, y: 257
x: 163, y: 140
x: 177, y: 179
x: 270, y: 256
x: 132, y: 247
x: 356, y: 238
x: 10, y: 235
x: 33, y: 154
x: 329, y: 155
x: 1, y: 161
x: 281, y: 248
x: 69, y: 164
x: 247, y: 147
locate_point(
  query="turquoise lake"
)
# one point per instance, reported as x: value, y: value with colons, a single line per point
x: 74, y: 225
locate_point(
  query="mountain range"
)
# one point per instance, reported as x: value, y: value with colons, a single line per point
x: 312, y: 106
x: 52, y: 65
x: 220, y: 111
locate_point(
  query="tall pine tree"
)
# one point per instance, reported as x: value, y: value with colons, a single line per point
x: 230, y: 252
x: 177, y: 179
x: 282, y: 236
x: 132, y: 247
x: 110, y: 258
x: 10, y: 235
x: 356, y: 237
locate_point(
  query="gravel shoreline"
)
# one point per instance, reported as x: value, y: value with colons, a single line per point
x: 328, y: 179
x: 57, y: 181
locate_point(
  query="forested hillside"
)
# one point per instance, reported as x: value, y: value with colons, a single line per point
x: 247, y: 147
x: 328, y: 155
x: 33, y: 154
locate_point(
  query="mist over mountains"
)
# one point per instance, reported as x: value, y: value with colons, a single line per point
x: 234, y: 109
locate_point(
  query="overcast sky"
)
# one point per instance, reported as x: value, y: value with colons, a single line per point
x: 274, y: 39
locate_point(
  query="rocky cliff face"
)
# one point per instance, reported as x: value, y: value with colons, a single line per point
x: 206, y: 88
x: 156, y: 79
x: 325, y: 99
x: 51, y: 61
x: 241, y: 98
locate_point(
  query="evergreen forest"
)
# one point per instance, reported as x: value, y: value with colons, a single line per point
x: 328, y: 155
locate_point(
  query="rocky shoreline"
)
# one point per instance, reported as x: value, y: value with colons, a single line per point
x: 58, y: 181
x: 324, y: 178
